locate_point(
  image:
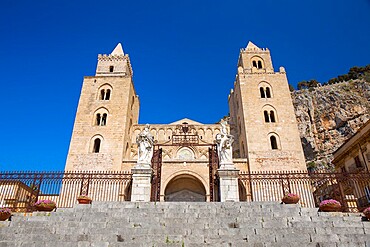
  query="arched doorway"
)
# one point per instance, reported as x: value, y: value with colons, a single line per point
x: 242, y: 191
x: 185, y: 188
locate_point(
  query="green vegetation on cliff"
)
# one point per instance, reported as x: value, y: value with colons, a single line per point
x: 354, y: 73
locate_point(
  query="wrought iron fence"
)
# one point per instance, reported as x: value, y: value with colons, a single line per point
x: 351, y: 189
x: 20, y: 190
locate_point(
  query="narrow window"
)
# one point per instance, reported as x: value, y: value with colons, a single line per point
x: 358, y: 162
x: 98, y: 119
x: 266, y: 115
x: 254, y: 64
x: 272, y: 117
x: 111, y: 68
x: 127, y: 154
x: 102, y: 94
x: 259, y: 65
x: 104, y: 119
x: 96, y: 148
x: 273, y: 142
x: 107, y: 95
x: 262, y: 92
x: 132, y: 102
x: 268, y: 93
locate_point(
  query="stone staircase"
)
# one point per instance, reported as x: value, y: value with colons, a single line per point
x: 114, y: 224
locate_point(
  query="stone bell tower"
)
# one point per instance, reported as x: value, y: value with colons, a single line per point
x: 107, y: 109
x: 262, y: 114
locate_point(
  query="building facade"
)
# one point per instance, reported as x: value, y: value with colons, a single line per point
x: 263, y: 116
x: 354, y: 157
x: 262, y: 121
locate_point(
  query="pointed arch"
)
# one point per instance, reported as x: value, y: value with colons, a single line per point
x: 274, y: 141
x: 269, y: 114
x: 105, y: 92
x: 100, y: 116
x: 257, y: 63
x: 265, y: 90
x: 96, y: 143
x: 96, y: 147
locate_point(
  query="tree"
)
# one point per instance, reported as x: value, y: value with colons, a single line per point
x: 333, y: 81
x: 313, y: 83
x: 308, y: 84
x: 354, y: 73
x: 302, y: 85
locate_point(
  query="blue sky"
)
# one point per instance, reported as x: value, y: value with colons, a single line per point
x: 182, y: 52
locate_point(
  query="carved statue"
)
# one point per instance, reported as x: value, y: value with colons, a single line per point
x: 224, y: 143
x: 145, y: 141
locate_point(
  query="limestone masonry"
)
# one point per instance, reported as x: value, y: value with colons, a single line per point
x: 262, y: 121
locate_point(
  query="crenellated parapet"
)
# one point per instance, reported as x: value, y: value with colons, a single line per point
x: 254, y: 50
x: 115, y: 64
x: 110, y: 57
x: 255, y: 60
x: 262, y: 114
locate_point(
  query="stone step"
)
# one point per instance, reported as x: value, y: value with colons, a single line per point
x: 185, y: 224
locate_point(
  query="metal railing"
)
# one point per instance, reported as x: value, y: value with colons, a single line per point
x: 347, y: 188
x: 20, y: 190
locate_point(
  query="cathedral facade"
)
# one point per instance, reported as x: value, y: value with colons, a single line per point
x: 185, y: 163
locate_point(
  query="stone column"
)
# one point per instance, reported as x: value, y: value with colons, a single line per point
x: 141, y: 184
x: 229, y: 187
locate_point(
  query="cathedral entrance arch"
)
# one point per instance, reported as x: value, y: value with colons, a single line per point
x: 185, y: 188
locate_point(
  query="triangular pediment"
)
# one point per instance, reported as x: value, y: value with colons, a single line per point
x: 186, y: 120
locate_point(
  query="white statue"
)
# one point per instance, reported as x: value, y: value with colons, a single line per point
x: 224, y: 143
x: 145, y: 141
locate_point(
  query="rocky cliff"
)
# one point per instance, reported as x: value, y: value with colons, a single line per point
x: 327, y: 116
